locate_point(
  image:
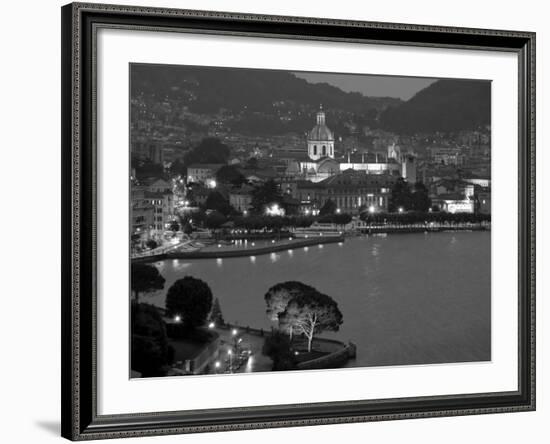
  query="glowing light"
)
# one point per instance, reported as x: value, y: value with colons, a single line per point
x: 211, y: 183
x: 274, y: 210
x: 253, y: 259
x: 371, y: 209
x: 229, y: 352
x: 234, y: 332
x: 217, y: 364
x: 219, y: 245
x: 273, y: 241
x: 219, y: 261
x: 186, y: 203
x: 296, y: 353
x: 245, y: 213
x: 211, y: 325
x: 338, y: 210
x: 400, y: 209
x: 177, y: 318
x: 306, y: 248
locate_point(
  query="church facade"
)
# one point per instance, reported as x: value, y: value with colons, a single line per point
x: 320, y: 162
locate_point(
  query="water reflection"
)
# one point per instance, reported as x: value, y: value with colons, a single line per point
x: 405, y: 299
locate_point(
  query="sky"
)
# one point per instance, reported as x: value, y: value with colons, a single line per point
x: 369, y: 85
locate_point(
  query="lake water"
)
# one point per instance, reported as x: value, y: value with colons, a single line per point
x: 405, y: 298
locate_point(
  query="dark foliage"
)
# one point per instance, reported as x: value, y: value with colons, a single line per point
x: 229, y: 174
x: 191, y: 299
x: 328, y: 208
x: 279, y: 348
x: 216, y: 201
x: 145, y: 279
x: 150, y: 351
x: 209, y: 150
x: 216, y: 315
x: 266, y: 194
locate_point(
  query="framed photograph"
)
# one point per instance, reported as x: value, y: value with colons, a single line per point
x: 281, y: 221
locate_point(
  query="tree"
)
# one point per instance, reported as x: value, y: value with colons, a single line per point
x: 252, y: 163
x: 401, y: 196
x: 278, y: 348
x: 311, y: 313
x: 215, y: 201
x: 209, y: 150
x: 214, y: 220
x: 152, y: 244
x: 278, y: 297
x: 150, y: 349
x: 230, y: 174
x: 191, y: 300
x: 328, y: 208
x: 266, y: 194
x: 420, y: 198
x: 145, y: 279
x: 174, y: 226
x: 216, y: 315
x: 342, y: 219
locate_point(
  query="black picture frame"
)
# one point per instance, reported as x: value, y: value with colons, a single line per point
x: 79, y: 390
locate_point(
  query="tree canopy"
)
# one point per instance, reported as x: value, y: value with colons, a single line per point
x: 328, y: 208
x: 266, y: 194
x: 311, y: 313
x: 230, y: 174
x: 150, y: 349
x: 216, y: 201
x: 145, y: 279
x: 279, y: 295
x: 403, y: 197
x: 216, y: 315
x: 209, y: 150
x: 190, y: 299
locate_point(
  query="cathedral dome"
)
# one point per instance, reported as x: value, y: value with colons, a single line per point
x: 320, y: 132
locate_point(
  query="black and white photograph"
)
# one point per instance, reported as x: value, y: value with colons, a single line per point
x: 298, y: 221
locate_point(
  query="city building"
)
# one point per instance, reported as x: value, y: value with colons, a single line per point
x: 320, y: 140
x: 454, y: 203
x: 446, y: 156
x: 484, y: 200
x: 241, y: 198
x: 203, y: 172
x: 319, y: 162
x: 353, y: 191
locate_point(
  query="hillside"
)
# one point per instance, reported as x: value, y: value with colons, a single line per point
x: 208, y: 89
x: 446, y: 105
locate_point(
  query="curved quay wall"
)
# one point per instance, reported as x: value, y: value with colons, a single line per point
x: 242, y: 252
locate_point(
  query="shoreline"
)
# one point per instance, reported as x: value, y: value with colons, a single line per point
x: 303, y: 242
x: 255, y: 251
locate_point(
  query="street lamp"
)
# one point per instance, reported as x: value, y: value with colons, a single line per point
x: 177, y: 318
x: 400, y: 209
x: 371, y: 209
x: 230, y: 353
x: 211, y: 325
x: 338, y: 210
